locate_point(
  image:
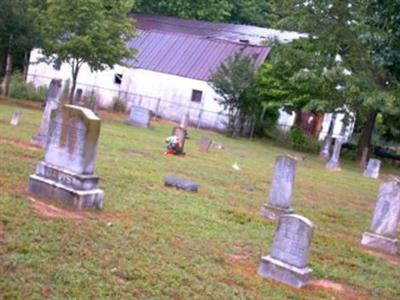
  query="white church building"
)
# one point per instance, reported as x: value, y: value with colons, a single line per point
x: 171, y: 71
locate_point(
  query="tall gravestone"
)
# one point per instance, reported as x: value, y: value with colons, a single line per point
x: 67, y: 171
x: 334, y: 163
x: 326, y: 148
x: 373, y: 168
x: 140, y: 116
x: 383, y: 230
x: 204, y: 144
x: 16, y: 117
x: 180, y: 133
x: 53, y: 97
x: 287, y: 262
x: 280, y: 195
x: 184, y: 121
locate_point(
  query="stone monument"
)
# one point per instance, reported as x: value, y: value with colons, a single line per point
x: 383, y: 230
x: 204, y: 144
x: 180, y: 133
x: 287, y: 262
x: 16, y: 117
x: 373, y: 168
x: 140, y: 116
x: 280, y: 195
x: 184, y: 121
x: 326, y: 148
x: 67, y: 171
x: 78, y: 97
x: 53, y: 97
x: 334, y: 163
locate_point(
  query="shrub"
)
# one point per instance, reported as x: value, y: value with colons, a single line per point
x: 20, y: 89
x: 118, y: 104
x: 300, y: 141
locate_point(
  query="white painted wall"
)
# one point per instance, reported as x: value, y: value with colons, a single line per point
x: 170, y: 95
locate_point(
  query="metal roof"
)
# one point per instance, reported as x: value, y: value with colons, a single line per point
x: 187, y: 55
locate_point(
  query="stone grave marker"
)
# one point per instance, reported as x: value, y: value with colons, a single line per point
x: 53, y: 97
x: 140, y: 116
x: 184, y: 121
x: 383, y: 230
x: 16, y: 117
x: 334, y: 163
x: 326, y: 148
x: 205, y: 143
x: 287, y: 262
x: 280, y: 195
x: 78, y: 97
x: 67, y: 171
x: 373, y: 168
x: 181, y: 134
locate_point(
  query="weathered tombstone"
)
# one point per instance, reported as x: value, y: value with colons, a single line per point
x: 184, y: 121
x: 181, y: 184
x: 67, y: 172
x: 140, y: 116
x: 326, y: 148
x: 334, y: 163
x: 180, y: 133
x: 280, y: 195
x: 373, y: 168
x: 383, y: 230
x: 287, y: 262
x: 205, y: 144
x: 52, y: 102
x: 78, y: 97
x: 16, y: 118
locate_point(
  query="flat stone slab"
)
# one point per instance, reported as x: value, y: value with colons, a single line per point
x: 181, y: 184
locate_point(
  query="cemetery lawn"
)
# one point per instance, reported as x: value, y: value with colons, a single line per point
x: 153, y: 242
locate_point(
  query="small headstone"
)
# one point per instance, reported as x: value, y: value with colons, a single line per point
x: 16, y: 117
x: 67, y: 172
x: 287, y: 262
x: 373, y: 168
x: 78, y: 97
x: 326, y: 148
x: 280, y: 195
x: 181, y: 184
x: 205, y: 144
x: 334, y: 163
x: 184, y: 121
x: 383, y: 230
x: 53, y: 97
x: 140, y: 116
x: 180, y: 133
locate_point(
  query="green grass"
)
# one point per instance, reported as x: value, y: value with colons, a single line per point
x: 153, y: 242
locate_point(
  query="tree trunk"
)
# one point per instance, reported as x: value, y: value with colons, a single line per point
x: 365, y: 138
x: 75, y: 72
x: 7, y: 75
x: 27, y: 57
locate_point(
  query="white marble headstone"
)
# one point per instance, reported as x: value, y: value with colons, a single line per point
x: 373, y: 168
x: 16, y: 117
x: 140, y: 116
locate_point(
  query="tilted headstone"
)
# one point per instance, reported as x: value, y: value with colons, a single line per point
x: 140, y: 116
x: 326, y: 148
x: 287, y: 262
x: 67, y: 172
x: 373, y: 168
x: 53, y: 97
x: 205, y: 144
x: 280, y: 195
x: 16, y: 117
x: 184, y: 121
x: 383, y: 230
x: 334, y: 163
x: 181, y: 134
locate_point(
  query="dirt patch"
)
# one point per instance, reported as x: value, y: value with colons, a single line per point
x: 21, y: 103
x: 392, y: 259
x: 343, y: 291
x: 47, y: 210
x: 20, y: 144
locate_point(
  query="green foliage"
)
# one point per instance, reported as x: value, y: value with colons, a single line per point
x: 20, y: 89
x: 298, y: 140
x: 118, y: 104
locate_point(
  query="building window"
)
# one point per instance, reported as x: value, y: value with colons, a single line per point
x: 118, y: 78
x: 197, y: 95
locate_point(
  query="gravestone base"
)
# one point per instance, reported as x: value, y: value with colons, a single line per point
x: 39, y: 140
x: 333, y: 166
x: 74, y: 190
x: 324, y: 156
x: 277, y: 270
x: 380, y: 242
x: 273, y: 212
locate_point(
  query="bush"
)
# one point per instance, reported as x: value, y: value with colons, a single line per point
x: 298, y: 140
x: 118, y: 104
x: 20, y: 89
